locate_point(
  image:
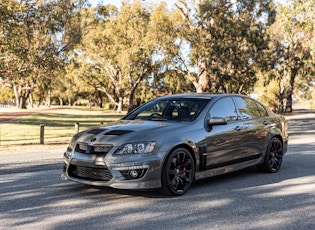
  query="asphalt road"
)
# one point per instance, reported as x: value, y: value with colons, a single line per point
x: 32, y: 196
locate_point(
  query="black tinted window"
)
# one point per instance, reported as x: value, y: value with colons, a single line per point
x: 262, y: 110
x: 177, y: 109
x: 224, y: 108
x: 248, y: 108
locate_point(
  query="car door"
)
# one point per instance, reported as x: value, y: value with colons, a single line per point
x: 254, y: 118
x: 224, y: 142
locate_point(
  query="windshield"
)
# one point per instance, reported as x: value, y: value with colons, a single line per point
x: 179, y: 109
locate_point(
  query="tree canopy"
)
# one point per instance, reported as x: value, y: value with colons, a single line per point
x: 35, y: 36
x: 62, y: 51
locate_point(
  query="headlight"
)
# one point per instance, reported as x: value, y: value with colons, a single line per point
x: 136, y: 148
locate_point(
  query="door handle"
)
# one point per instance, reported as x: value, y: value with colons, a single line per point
x: 238, y: 128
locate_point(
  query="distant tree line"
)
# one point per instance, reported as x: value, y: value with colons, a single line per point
x: 65, y: 51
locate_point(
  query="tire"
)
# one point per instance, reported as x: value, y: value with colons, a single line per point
x: 178, y: 172
x: 273, y: 157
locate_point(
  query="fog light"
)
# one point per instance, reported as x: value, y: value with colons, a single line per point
x: 133, y: 173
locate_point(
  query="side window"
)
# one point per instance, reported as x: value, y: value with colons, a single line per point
x: 262, y: 110
x: 248, y: 108
x: 224, y: 108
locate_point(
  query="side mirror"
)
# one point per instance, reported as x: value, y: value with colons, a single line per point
x: 217, y: 121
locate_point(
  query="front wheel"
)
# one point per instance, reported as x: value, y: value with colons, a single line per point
x: 178, y: 172
x: 273, y: 157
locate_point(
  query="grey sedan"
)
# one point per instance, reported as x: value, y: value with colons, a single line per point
x: 171, y: 141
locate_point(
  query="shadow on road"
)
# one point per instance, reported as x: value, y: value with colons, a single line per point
x: 246, y: 199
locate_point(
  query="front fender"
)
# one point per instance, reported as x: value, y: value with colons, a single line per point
x: 170, y: 144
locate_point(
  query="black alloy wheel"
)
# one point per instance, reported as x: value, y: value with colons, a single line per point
x: 178, y: 172
x: 273, y: 157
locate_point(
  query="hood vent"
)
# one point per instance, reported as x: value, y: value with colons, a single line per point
x: 118, y: 132
x: 96, y: 131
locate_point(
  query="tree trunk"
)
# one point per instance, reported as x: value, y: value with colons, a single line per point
x: 31, y: 100
x: 288, y: 107
x: 16, y: 95
x: 203, y: 84
x: 131, y: 99
x: 20, y: 98
x: 49, y: 98
x: 289, y: 103
x: 120, y: 104
x: 60, y: 101
x: 99, y: 102
x: 99, y: 99
x: 23, y: 99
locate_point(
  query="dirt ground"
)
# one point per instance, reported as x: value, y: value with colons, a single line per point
x: 9, y: 114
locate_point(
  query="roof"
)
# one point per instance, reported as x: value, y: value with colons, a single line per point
x: 198, y: 95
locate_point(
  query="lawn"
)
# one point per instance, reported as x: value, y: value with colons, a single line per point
x: 59, y: 126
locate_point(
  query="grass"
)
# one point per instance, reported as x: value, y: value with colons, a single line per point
x: 59, y: 126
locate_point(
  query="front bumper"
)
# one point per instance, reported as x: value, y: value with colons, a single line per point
x: 125, y: 172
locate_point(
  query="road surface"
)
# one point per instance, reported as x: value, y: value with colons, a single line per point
x: 32, y: 196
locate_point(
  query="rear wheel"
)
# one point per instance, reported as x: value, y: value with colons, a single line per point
x: 178, y: 172
x: 273, y: 157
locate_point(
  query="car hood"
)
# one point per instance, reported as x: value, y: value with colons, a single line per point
x: 127, y: 131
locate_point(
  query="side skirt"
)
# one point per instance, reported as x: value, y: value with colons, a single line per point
x: 226, y: 169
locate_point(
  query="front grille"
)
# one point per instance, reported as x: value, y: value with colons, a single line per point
x: 102, y: 148
x: 99, y: 149
x: 87, y: 173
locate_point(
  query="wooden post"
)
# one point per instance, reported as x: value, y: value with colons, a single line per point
x: 41, y: 135
x: 76, y: 127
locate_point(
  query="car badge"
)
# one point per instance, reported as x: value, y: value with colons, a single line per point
x: 93, y: 139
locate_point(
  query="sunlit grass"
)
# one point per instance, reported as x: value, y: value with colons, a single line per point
x: 59, y: 125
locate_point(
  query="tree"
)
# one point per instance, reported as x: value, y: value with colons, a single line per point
x: 293, y: 46
x: 35, y: 34
x: 216, y: 44
x: 119, y: 47
x: 169, y: 82
x: 82, y: 79
x: 297, y: 20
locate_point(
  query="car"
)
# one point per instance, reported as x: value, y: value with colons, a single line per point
x: 171, y: 141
